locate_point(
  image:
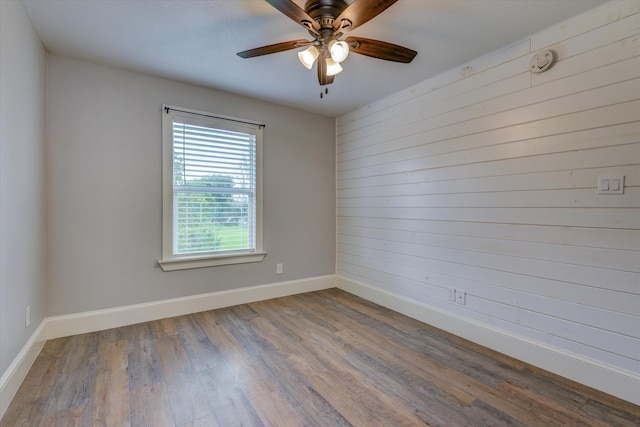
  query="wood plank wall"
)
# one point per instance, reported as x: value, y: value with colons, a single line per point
x: 484, y: 179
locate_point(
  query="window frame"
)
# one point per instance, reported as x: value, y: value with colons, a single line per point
x: 171, y: 261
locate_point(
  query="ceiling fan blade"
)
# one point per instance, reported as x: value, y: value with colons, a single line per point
x: 274, y: 48
x: 359, y: 12
x: 381, y: 50
x: 295, y: 12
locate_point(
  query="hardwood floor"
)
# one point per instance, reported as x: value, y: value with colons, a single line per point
x: 325, y: 358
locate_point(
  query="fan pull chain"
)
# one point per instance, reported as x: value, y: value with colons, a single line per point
x: 326, y: 91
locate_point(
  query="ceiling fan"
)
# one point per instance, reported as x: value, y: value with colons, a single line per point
x: 327, y: 21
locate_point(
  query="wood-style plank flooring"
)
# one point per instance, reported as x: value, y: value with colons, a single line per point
x: 324, y: 358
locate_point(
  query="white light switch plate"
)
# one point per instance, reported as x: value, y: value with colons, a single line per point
x: 611, y: 184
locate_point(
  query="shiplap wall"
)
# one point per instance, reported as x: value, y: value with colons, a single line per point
x: 484, y: 178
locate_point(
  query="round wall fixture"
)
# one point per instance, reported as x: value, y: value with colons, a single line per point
x: 541, y: 61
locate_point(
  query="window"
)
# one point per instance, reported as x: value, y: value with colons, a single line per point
x: 211, y: 190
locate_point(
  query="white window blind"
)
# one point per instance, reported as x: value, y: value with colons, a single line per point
x: 214, y: 197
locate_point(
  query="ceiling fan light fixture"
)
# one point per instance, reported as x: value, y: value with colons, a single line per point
x: 327, y: 21
x: 333, y: 67
x: 339, y: 50
x: 308, y: 56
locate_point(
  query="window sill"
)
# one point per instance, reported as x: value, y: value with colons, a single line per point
x: 209, y: 261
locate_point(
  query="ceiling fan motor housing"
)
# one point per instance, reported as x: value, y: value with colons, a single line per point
x: 325, y: 11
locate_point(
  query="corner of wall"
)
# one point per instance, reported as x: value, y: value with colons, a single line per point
x: 60, y: 326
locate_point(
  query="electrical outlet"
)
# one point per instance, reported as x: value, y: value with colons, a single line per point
x: 278, y: 268
x: 451, y: 295
x: 461, y: 297
x: 27, y: 316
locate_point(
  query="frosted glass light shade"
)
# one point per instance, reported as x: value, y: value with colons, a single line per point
x: 333, y: 67
x: 339, y: 50
x: 308, y: 56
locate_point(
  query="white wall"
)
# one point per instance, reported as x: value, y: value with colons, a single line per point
x: 483, y: 179
x: 22, y: 236
x: 104, y: 183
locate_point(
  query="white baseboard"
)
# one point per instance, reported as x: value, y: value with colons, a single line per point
x: 589, y: 372
x: 98, y: 320
x: 16, y: 372
x: 608, y: 379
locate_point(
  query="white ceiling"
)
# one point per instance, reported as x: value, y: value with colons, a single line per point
x: 196, y: 42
